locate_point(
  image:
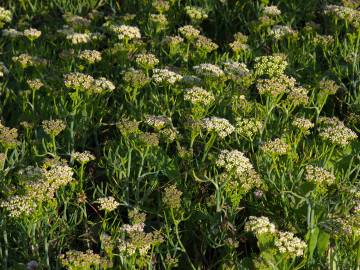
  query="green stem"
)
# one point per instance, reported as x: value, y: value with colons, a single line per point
x: 176, y: 223
x: 6, y: 246
x: 81, y: 175
x: 53, y: 142
x: 143, y: 156
x: 208, y: 145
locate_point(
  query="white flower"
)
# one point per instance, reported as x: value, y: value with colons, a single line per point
x: 32, y: 33
x: 302, y: 124
x: 259, y: 225
x: 78, y: 38
x: 280, y: 31
x: 107, y: 203
x: 3, y: 69
x: 90, y: 56
x: 338, y: 134
x: 157, y: 122
x: 271, y: 65
x: 275, y: 147
x: 83, y: 157
x: 12, y: 33
x: 209, y: 70
x: 5, y: 16
x: 319, y: 175
x: 288, y: 243
x: 189, y: 32
x: 199, y: 96
x: 272, y: 11
x: 126, y: 32
x: 220, y: 126
x: 234, y: 161
x: 102, y: 85
x: 165, y: 76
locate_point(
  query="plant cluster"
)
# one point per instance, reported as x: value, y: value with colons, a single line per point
x: 172, y: 134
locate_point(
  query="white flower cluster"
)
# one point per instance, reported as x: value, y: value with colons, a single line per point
x: 165, y: 76
x: 159, y: 19
x: 173, y: 41
x: 129, y: 247
x: 303, y: 124
x: 32, y: 33
x: 12, y: 33
x: 83, y: 157
x: 196, y: 13
x: 157, y: 122
x: 42, y: 186
x: 248, y: 127
x: 189, y: 32
x: 8, y: 136
x: 338, y: 134
x: 85, y: 82
x: 3, y: 69
x: 53, y: 127
x: 319, y: 175
x: 126, y: 32
x: 340, y: 11
x: 259, y: 225
x: 139, y: 227
x: 234, y: 162
x: 26, y: 60
x: 328, y: 87
x: 90, y: 56
x: 146, y: 60
x: 343, y: 13
x: 272, y: 65
x: 275, y: 86
x: 238, y: 170
x: 107, y: 203
x: 298, y: 95
x: 286, y: 242
x: 209, y: 70
x: 102, y: 84
x: 238, y: 46
x: 2, y: 158
x: 80, y: 38
x: 220, y: 126
x: 272, y: 11
x: 35, y: 84
x: 57, y: 176
x: 235, y: 70
x: 239, y: 43
x: 199, y: 96
x: 280, y: 31
x: 133, y: 237
x: 5, y: 16
x: 323, y: 40
x: 275, y: 147
x: 348, y: 225
x: 77, y: 80
x: 74, y: 259
x: 19, y: 205
x: 330, y: 121
x: 205, y: 44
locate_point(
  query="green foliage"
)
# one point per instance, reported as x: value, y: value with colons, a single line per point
x: 166, y: 134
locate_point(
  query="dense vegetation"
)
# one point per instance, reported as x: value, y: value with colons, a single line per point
x: 168, y: 134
